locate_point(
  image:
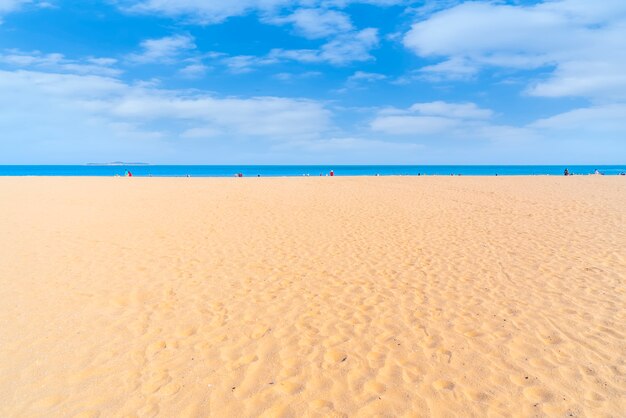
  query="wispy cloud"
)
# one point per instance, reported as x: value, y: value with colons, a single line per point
x: 193, y: 70
x: 453, y: 120
x: 212, y: 12
x: 341, y: 51
x: 139, y: 105
x: 7, y: 6
x: 58, y: 62
x: 163, y: 50
x: 315, y: 23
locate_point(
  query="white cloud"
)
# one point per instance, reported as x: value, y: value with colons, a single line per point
x: 202, y: 11
x: 359, y: 79
x: 257, y: 116
x: 350, y: 144
x: 163, y: 50
x: 452, y: 120
x: 365, y: 76
x: 240, y: 64
x: 595, y: 79
x: 88, y: 113
x: 602, y: 119
x: 58, y: 62
x: 287, y: 77
x: 192, y: 71
x: 209, y: 11
x: 413, y: 125
x: 452, y: 110
x: 316, y: 23
x: 348, y: 150
x: 342, y: 50
x: 11, y: 5
x: 581, y: 40
x: 453, y: 69
x: 561, y: 137
x: 350, y: 47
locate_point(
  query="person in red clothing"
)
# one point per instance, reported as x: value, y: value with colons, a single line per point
x: 332, y: 173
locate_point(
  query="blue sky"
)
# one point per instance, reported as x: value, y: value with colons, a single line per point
x: 313, y: 81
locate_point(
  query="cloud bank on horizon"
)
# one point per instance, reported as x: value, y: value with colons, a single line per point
x: 313, y: 81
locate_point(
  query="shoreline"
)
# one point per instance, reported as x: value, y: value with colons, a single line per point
x: 316, y: 176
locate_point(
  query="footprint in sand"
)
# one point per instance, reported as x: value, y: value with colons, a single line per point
x: 155, y: 348
x: 320, y: 404
x: 476, y: 395
x: 431, y: 342
x: 87, y: 414
x: 541, y: 363
x: 444, y: 355
x: 537, y: 394
x: 156, y: 382
x: 170, y: 389
x: 48, y: 401
x: 259, y: 331
x: 376, y: 357
x: 520, y: 380
x: 278, y: 410
x: 551, y: 339
x: 290, y: 387
x: 186, y: 331
x: 443, y: 385
x: 375, y: 387
x: 244, y: 361
x: 335, y: 356
x: 594, y: 396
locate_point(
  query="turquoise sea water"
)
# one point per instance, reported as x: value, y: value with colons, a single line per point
x: 300, y: 170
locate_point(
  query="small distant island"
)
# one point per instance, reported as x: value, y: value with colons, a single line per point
x: 116, y: 163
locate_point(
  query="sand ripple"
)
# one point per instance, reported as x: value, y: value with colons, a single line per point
x: 313, y: 297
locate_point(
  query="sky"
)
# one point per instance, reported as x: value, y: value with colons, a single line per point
x: 313, y: 82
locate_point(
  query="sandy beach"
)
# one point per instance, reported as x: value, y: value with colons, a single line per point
x: 317, y: 297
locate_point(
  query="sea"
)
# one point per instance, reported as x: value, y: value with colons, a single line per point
x: 303, y: 170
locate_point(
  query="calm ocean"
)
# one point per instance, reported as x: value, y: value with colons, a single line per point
x: 300, y: 170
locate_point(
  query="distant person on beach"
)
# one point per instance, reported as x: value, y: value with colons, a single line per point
x: 566, y: 172
x: 332, y: 173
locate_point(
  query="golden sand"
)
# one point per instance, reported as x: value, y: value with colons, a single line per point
x: 319, y: 297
